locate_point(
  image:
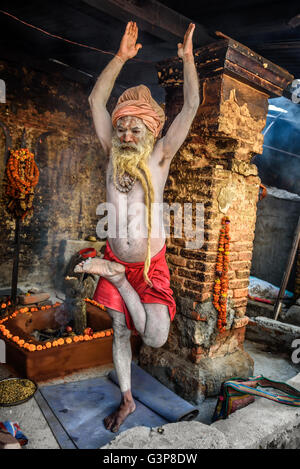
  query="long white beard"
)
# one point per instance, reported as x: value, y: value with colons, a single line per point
x: 127, y: 157
x: 133, y: 159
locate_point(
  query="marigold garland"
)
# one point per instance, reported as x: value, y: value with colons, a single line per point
x: 55, y: 343
x: 22, y: 176
x: 221, y: 281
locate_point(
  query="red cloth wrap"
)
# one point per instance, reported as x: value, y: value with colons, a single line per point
x: 108, y: 295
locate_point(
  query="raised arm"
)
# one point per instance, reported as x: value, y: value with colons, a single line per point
x: 105, y: 83
x: 179, y: 128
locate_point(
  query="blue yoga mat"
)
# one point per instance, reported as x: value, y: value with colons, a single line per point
x: 81, y: 407
x: 157, y: 397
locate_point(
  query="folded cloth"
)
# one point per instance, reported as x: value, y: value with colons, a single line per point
x: 14, y: 429
x: 108, y: 295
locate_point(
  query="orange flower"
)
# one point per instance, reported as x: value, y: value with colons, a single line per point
x: 39, y: 347
x: 107, y: 333
x: 76, y: 338
x: 86, y: 337
x: 54, y: 343
x: 101, y: 334
x: 60, y: 341
x: 48, y: 344
x: 68, y: 340
x: 3, y: 305
x: 32, y: 348
x: 80, y: 338
x: 16, y: 338
x: 9, y: 335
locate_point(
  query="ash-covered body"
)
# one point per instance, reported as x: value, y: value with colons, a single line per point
x: 138, y: 168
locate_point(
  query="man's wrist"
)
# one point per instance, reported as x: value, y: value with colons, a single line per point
x: 121, y: 58
x: 188, y: 58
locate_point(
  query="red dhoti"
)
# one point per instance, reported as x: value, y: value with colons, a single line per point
x: 108, y: 295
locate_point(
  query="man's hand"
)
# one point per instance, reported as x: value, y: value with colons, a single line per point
x: 185, y: 50
x: 128, y: 47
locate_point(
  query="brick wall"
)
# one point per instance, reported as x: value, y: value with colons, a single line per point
x: 71, y: 164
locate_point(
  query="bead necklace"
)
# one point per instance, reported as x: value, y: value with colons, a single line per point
x: 125, y: 182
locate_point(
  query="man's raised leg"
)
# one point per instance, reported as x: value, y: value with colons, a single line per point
x: 115, y: 273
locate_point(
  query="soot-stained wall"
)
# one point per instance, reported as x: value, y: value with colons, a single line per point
x: 71, y: 165
x: 275, y: 228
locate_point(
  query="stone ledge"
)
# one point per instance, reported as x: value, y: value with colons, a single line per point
x: 180, y: 435
x: 262, y: 425
x: 277, y: 335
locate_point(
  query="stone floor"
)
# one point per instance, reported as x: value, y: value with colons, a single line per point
x: 31, y: 420
x: 34, y: 425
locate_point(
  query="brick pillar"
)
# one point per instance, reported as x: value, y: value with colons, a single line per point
x: 213, y: 167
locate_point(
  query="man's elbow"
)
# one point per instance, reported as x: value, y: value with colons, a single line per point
x: 91, y: 99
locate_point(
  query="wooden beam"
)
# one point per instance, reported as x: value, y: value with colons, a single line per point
x: 289, y: 45
x: 153, y: 17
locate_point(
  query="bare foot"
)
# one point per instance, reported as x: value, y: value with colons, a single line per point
x: 115, y: 420
x: 112, y: 271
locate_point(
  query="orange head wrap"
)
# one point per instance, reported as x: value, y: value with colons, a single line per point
x: 138, y: 102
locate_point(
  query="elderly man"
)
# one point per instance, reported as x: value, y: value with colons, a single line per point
x: 134, y: 282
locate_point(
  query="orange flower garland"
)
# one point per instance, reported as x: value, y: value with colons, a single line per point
x: 221, y: 282
x: 22, y: 177
x: 59, y: 342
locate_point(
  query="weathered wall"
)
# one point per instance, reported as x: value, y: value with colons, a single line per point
x: 71, y: 164
x: 274, y: 234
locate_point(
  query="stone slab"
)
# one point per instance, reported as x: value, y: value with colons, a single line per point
x: 264, y: 424
x: 183, y: 435
x: 277, y: 335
